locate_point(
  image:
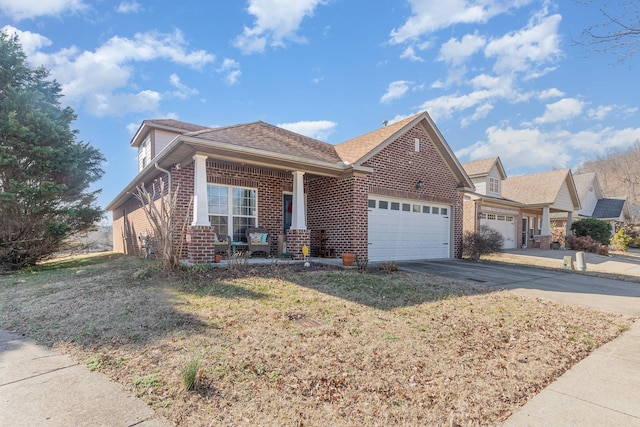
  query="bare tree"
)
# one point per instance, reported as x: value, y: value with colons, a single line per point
x: 160, y: 208
x: 619, y: 35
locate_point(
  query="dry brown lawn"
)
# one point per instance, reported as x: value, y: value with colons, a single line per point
x: 282, y: 345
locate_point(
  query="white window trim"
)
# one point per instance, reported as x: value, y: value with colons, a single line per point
x: 230, y: 214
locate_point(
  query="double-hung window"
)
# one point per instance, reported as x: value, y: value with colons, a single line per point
x: 494, y: 185
x: 232, y: 210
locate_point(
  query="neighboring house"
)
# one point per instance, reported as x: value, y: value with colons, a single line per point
x: 520, y: 208
x: 391, y: 194
x: 615, y: 211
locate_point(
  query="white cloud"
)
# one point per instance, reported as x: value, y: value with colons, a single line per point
x: 600, y: 112
x: 480, y: 113
x: 527, y: 148
x: 118, y: 104
x: 410, y: 54
x: 276, y: 21
x: 132, y: 128
x: 529, y: 49
x: 318, y: 129
x: 182, y: 91
x: 550, y: 93
x: 23, y: 9
x: 396, y: 90
x: 565, y: 109
x: 129, y: 7
x: 532, y: 149
x: 428, y: 16
x: 455, y: 52
x: 100, y: 78
x: 231, y: 69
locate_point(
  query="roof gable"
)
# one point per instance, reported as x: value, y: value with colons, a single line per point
x: 483, y: 167
x: 358, y: 150
x: 165, y: 124
x: 586, y: 181
x: 540, y: 188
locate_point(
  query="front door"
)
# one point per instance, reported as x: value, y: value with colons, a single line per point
x: 524, y: 232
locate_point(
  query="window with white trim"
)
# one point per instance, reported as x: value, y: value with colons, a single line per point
x: 232, y: 210
x: 494, y: 185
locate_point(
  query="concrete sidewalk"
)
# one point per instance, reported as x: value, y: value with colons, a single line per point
x: 39, y: 386
x: 601, y: 390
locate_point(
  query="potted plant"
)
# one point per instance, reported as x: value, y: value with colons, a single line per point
x: 217, y: 258
x: 348, y: 258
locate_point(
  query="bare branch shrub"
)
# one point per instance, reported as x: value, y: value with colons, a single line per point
x: 483, y: 242
x: 160, y: 209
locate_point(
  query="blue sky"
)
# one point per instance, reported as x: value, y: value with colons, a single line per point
x: 500, y: 78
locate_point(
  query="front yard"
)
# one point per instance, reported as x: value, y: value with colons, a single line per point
x: 280, y: 345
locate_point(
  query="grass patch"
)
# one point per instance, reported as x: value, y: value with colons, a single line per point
x: 290, y: 346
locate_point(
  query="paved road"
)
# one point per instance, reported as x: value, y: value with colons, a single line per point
x: 568, y: 287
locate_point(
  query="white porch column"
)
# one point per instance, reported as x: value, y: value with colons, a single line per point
x: 298, y: 216
x: 567, y: 232
x: 546, y: 222
x: 200, y: 203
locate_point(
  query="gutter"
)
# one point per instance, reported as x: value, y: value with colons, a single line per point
x: 169, y: 176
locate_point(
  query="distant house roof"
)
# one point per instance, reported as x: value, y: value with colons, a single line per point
x: 539, y: 188
x: 584, y: 181
x: 608, y: 208
x: 482, y: 167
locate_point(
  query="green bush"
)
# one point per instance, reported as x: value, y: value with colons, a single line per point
x: 599, y: 230
x: 483, y: 242
x: 620, y: 241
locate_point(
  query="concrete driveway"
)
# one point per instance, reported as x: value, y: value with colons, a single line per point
x: 572, y: 288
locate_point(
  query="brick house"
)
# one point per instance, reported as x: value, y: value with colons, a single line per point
x: 391, y: 194
x: 521, y: 208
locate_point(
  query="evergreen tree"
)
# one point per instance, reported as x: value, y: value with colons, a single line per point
x: 45, y: 173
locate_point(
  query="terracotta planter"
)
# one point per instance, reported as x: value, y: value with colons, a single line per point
x: 217, y: 258
x: 348, y: 259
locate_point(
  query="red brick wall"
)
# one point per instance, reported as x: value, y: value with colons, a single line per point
x: 130, y: 222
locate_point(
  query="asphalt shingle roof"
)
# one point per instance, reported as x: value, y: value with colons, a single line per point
x: 263, y: 136
x: 533, y: 189
x: 354, y: 149
x: 479, y: 167
x: 176, y: 124
x: 608, y: 208
x: 583, y: 181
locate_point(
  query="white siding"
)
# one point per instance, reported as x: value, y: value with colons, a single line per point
x: 162, y: 139
x: 563, y: 200
x: 481, y: 185
x: 494, y: 173
x: 589, y: 203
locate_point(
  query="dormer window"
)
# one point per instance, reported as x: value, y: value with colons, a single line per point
x: 494, y: 185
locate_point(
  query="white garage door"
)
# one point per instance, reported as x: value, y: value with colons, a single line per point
x: 503, y: 224
x: 408, y: 229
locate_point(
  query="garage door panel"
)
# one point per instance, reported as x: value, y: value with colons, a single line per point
x: 406, y: 235
x: 503, y: 224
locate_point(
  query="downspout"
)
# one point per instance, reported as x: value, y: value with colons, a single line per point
x: 169, y: 176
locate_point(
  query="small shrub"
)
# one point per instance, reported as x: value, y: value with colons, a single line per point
x: 583, y: 243
x: 362, y: 263
x: 587, y: 244
x: 599, y: 230
x: 620, y: 241
x: 388, y: 267
x: 191, y: 374
x: 483, y: 242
